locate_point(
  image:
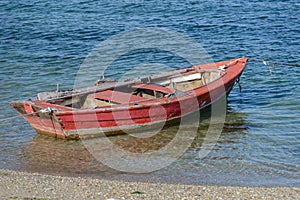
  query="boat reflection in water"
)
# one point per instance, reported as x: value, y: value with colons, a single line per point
x: 54, y: 156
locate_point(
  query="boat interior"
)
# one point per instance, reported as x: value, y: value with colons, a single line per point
x: 146, y: 91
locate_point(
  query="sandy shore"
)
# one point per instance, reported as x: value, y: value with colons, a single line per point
x: 22, y: 185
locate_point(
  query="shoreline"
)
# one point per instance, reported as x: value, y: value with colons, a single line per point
x: 25, y: 185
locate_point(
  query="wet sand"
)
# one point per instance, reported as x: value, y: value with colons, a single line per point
x: 23, y: 185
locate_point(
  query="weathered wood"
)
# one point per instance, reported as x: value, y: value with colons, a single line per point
x: 116, y: 96
x: 51, y: 95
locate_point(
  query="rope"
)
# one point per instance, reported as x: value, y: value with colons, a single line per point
x: 268, y: 64
x: 46, y: 110
x: 265, y: 62
x: 10, y: 118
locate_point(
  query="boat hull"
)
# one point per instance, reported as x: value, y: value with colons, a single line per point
x: 76, y: 124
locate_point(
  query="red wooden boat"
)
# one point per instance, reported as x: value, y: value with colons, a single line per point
x: 113, y: 107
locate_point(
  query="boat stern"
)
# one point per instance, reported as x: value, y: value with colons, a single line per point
x: 43, y: 120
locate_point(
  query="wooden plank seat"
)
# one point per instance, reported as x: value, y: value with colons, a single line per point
x: 116, y: 96
x: 154, y: 88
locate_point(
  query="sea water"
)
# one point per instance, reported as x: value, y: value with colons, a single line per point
x: 44, y: 43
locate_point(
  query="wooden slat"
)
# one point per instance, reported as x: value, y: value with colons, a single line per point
x: 116, y: 96
x: 154, y: 88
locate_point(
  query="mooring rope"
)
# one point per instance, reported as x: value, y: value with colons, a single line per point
x: 10, y: 118
x: 275, y: 63
x: 269, y: 63
x: 46, y: 110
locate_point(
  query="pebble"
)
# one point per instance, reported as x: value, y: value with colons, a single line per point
x: 23, y: 185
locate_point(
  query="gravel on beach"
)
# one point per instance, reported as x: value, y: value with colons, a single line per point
x: 23, y: 185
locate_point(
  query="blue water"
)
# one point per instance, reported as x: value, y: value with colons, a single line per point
x: 43, y: 43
